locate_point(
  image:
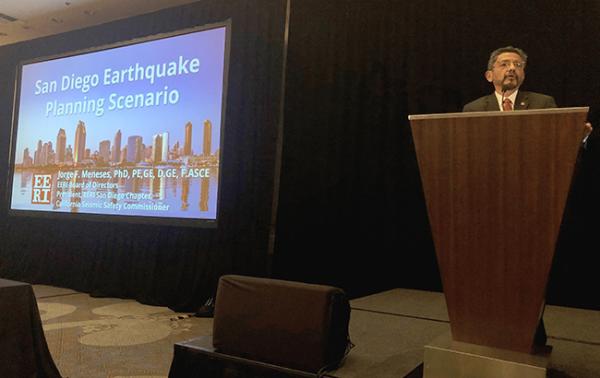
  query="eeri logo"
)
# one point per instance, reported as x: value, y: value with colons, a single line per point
x: 40, y: 193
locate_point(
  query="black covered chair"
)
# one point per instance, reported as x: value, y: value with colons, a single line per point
x: 269, y: 328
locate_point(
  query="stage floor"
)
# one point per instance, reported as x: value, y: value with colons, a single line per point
x: 393, y: 327
x: 110, y: 337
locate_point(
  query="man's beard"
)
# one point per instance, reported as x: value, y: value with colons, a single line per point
x: 508, y: 84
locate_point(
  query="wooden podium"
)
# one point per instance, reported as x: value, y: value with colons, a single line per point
x: 496, y: 184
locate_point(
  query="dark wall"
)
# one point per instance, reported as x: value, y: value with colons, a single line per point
x: 177, y: 266
x: 351, y: 208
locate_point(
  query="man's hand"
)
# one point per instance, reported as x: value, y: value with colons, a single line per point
x: 588, y: 131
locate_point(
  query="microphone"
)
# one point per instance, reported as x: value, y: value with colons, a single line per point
x: 504, y: 90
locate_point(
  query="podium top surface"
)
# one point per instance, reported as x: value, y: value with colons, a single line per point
x: 583, y: 109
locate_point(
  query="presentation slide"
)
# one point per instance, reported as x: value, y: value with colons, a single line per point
x: 132, y: 130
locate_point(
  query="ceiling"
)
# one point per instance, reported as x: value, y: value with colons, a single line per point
x: 22, y: 20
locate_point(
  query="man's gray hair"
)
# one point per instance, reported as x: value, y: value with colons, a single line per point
x: 507, y: 49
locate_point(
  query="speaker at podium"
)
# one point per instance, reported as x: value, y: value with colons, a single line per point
x: 495, y: 185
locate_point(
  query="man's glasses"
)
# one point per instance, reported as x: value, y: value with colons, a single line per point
x: 506, y: 64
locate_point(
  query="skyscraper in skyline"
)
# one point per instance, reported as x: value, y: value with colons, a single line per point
x: 134, y: 149
x: 48, y: 153
x: 69, y: 154
x: 79, y: 147
x: 187, y: 145
x: 157, y: 148
x: 27, y: 160
x: 116, y: 149
x: 176, y: 151
x: 123, y: 155
x: 206, y: 144
x: 38, y: 153
x: 61, y: 146
x: 44, y: 154
x: 104, y: 150
x: 165, y: 146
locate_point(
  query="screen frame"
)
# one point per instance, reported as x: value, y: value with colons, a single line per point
x: 139, y: 219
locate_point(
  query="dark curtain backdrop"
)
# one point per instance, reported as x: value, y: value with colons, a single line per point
x: 175, y: 266
x: 351, y: 208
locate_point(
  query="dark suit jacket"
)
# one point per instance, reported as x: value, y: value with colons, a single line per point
x: 524, y: 100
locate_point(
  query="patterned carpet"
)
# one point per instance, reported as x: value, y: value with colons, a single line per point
x: 109, y: 337
x: 116, y: 338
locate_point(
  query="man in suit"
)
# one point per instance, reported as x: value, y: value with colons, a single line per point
x: 506, y: 72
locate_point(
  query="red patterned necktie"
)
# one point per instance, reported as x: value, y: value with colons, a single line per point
x: 507, y: 105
